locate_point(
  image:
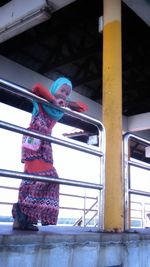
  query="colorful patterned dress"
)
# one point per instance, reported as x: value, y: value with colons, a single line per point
x: 39, y: 200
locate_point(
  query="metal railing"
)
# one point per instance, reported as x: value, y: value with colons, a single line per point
x: 97, y: 151
x: 139, y: 211
x: 82, y: 221
x: 128, y: 163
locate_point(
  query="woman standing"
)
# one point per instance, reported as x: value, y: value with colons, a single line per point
x: 40, y: 200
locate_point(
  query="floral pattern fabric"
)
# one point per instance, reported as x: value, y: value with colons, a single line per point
x: 39, y: 200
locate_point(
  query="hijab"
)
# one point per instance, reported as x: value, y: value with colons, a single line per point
x: 54, y: 113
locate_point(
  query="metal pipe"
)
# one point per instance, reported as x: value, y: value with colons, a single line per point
x: 21, y: 130
x: 139, y: 192
x: 127, y: 136
x: 22, y: 175
x: 22, y: 91
x: 139, y: 165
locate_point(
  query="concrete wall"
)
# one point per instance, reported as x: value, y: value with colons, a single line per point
x: 58, y: 248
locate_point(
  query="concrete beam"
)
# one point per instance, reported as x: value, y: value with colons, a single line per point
x: 139, y: 122
x: 141, y: 8
x: 60, y: 3
x: 19, y: 15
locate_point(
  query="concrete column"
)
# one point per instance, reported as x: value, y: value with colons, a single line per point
x: 112, y: 114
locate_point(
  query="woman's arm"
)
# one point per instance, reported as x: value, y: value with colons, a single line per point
x: 77, y: 106
x: 42, y: 91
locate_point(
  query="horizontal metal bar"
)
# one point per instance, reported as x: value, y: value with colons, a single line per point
x: 61, y: 194
x: 78, y: 196
x: 22, y: 91
x: 9, y: 187
x: 21, y: 175
x: 73, y: 145
x: 139, y: 203
x: 6, y: 203
x: 138, y: 192
x: 61, y: 207
x: 127, y: 136
x: 139, y: 165
x: 79, y: 209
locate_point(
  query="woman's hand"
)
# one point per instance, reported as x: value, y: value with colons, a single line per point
x: 77, y: 106
x: 59, y: 101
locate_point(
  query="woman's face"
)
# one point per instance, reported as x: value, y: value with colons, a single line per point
x: 62, y: 94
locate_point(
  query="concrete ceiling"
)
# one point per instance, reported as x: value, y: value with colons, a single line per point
x: 70, y: 44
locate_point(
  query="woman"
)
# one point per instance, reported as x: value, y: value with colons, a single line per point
x: 40, y: 200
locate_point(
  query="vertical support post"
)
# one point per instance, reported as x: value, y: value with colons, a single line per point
x: 112, y: 114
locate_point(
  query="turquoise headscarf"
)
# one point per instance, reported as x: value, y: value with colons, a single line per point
x: 53, y: 112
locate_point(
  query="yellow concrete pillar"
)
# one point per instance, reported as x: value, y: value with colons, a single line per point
x: 112, y: 114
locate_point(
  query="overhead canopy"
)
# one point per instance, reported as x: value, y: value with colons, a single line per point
x: 18, y: 16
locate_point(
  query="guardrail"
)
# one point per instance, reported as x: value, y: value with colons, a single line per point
x: 82, y: 221
x: 139, y: 211
x: 97, y: 151
x: 128, y: 163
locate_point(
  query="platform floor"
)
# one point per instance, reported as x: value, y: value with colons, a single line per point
x: 6, y: 229
x: 73, y: 246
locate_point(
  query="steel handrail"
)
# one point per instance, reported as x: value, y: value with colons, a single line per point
x: 22, y: 175
x: 127, y: 163
x: 73, y: 144
x: 19, y: 90
x: 62, y: 194
x: 22, y: 91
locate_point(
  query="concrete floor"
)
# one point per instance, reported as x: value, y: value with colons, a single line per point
x: 6, y: 230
